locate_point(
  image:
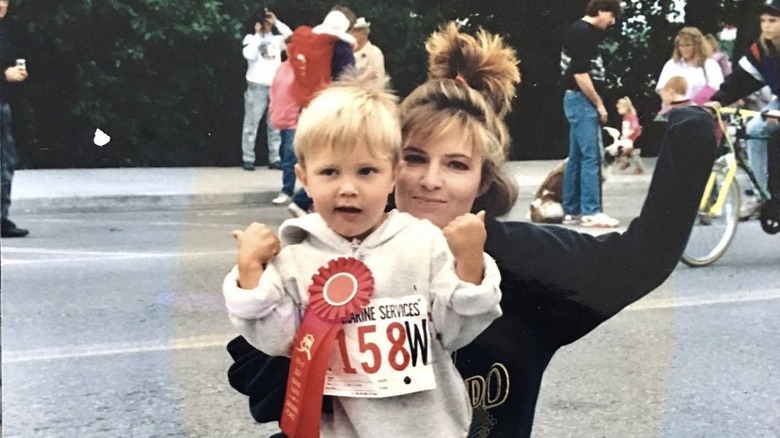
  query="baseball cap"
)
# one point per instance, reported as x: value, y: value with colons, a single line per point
x: 771, y: 7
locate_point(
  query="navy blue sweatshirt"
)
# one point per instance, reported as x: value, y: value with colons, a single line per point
x: 559, y: 284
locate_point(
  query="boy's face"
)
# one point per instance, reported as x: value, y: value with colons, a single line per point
x: 349, y: 188
x: 770, y: 27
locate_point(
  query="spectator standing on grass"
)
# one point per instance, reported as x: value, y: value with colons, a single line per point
x: 13, y: 72
x: 584, y: 81
x: 263, y: 53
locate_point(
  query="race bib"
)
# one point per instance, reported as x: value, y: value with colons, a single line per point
x: 383, y: 351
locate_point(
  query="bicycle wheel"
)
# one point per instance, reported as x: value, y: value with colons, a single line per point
x: 712, y: 234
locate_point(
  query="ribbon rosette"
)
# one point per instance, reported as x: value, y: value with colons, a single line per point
x: 341, y: 288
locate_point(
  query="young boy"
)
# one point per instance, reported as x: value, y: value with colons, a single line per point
x: 388, y: 364
x: 673, y: 94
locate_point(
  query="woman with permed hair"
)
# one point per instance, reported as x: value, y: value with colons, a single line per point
x: 691, y: 59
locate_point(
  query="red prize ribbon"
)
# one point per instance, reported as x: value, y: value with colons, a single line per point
x: 341, y: 288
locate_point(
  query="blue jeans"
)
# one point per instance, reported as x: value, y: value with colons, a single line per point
x: 288, y: 161
x: 757, y: 148
x: 301, y: 199
x: 8, y: 158
x: 582, y: 178
x: 256, y: 100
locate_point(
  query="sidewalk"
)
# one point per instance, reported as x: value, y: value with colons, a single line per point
x: 138, y: 188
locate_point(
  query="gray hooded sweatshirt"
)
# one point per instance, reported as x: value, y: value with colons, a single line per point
x: 391, y: 372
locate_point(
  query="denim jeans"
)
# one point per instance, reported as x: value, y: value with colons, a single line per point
x: 288, y: 161
x: 8, y: 158
x: 582, y: 178
x: 757, y: 148
x: 256, y: 100
x: 301, y: 199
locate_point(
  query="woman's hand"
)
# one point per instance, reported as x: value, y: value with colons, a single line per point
x: 466, y: 237
x: 257, y: 245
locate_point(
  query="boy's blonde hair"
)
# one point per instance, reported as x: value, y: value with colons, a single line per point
x: 353, y: 111
x: 677, y: 85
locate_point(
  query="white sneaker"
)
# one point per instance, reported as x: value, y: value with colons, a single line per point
x: 599, y: 220
x: 283, y: 198
x: 571, y: 219
x: 295, y: 210
x: 750, y: 208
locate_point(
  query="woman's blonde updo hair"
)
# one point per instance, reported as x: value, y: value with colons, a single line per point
x: 470, y: 87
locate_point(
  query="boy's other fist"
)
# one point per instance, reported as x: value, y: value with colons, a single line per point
x: 256, y: 245
x: 466, y: 235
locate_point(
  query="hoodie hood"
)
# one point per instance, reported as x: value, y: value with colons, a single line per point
x: 314, y: 228
x: 336, y: 24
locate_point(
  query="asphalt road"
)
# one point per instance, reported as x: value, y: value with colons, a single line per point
x: 114, y: 325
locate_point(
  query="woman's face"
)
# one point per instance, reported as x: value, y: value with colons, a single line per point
x: 687, y: 48
x: 438, y: 179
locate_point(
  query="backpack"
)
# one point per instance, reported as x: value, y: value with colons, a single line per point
x: 310, y: 55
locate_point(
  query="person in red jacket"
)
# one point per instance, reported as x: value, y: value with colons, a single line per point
x: 319, y: 55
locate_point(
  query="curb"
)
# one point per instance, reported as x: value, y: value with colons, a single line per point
x: 160, y: 188
x: 140, y: 202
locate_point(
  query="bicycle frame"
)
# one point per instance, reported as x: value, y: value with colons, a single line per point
x: 733, y: 161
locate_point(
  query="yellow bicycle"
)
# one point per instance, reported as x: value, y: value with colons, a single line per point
x: 718, y: 216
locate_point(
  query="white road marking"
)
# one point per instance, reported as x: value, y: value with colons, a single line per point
x: 727, y: 298
x: 85, y: 255
x: 219, y: 341
x: 116, y: 348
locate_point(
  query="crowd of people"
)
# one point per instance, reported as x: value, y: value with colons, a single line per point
x: 337, y: 44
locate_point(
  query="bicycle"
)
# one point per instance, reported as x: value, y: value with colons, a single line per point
x: 716, y: 223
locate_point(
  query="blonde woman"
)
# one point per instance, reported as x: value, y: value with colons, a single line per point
x: 692, y: 59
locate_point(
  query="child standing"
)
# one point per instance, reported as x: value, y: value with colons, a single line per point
x: 388, y: 363
x: 629, y: 132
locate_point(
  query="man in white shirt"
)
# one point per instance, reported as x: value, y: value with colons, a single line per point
x: 367, y: 56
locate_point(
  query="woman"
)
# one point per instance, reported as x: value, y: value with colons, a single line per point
x: 691, y: 59
x: 557, y: 284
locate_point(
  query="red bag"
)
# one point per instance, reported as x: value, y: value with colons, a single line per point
x: 310, y: 56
